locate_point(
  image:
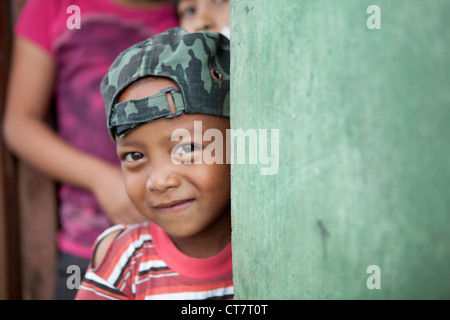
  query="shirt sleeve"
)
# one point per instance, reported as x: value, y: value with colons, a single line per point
x: 105, y: 282
x: 34, y: 22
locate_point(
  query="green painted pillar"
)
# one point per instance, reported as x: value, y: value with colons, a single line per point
x: 359, y: 207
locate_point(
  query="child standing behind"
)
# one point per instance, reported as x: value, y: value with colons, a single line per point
x: 176, y: 82
x: 209, y: 15
x: 53, y: 61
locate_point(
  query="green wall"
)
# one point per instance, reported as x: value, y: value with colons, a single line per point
x: 364, y: 154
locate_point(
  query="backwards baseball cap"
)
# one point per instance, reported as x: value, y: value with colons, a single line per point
x: 199, y: 63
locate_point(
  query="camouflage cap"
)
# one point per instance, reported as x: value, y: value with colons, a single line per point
x: 199, y: 63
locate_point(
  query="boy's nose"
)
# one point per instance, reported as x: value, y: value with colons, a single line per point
x: 161, y: 180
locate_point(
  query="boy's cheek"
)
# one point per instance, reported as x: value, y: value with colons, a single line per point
x: 215, y: 175
x: 135, y: 187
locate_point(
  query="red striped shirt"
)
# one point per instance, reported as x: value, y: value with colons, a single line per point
x: 143, y: 263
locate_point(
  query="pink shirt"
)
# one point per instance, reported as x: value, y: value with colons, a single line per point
x: 83, y: 56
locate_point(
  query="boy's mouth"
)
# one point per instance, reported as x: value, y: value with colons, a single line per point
x: 174, y: 206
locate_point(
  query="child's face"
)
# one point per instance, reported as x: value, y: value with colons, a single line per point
x: 186, y: 200
x: 210, y: 15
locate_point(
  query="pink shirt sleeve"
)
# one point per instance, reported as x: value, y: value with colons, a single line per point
x: 34, y: 23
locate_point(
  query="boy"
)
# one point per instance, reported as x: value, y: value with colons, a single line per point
x: 209, y: 15
x: 168, y: 83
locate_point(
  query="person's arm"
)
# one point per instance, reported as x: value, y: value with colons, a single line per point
x: 27, y: 134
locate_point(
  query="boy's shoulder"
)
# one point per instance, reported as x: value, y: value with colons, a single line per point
x: 120, y: 238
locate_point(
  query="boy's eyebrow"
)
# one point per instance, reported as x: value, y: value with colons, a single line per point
x: 193, y: 130
x: 181, y: 1
x: 123, y: 143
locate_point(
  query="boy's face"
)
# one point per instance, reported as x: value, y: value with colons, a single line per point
x: 186, y: 200
x: 210, y: 15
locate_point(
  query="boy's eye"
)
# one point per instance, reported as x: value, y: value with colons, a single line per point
x: 132, y: 156
x: 187, y: 148
x: 186, y: 12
